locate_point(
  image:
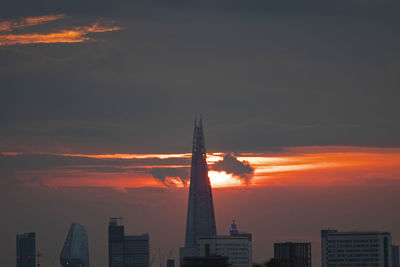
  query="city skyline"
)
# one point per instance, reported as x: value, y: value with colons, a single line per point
x: 97, y: 100
x: 75, y: 247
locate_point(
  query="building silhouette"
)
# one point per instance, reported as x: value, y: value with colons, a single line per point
x: 205, y: 261
x: 237, y: 247
x: 170, y: 263
x: 26, y: 248
x: 356, y: 248
x: 75, y: 252
x: 200, y: 214
x: 136, y: 251
x: 395, y: 256
x: 293, y: 254
x: 115, y: 243
x: 126, y: 251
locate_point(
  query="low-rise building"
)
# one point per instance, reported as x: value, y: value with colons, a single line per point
x: 237, y: 247
x: 293, y: 254
x: 356, y: 248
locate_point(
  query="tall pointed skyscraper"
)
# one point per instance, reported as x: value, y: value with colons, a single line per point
x: 200, y: 215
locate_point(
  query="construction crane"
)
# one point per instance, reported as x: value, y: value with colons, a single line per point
x: 152, y: 260
x: 38, y: 255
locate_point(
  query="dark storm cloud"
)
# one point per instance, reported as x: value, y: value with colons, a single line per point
x: 162, y: 173
x: 265, y: 74
x: 136, y: 8
x: 230, y: 164
x: 11, y: 164
x: 5, y: 170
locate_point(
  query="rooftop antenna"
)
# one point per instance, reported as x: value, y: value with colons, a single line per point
x: 115, y: 220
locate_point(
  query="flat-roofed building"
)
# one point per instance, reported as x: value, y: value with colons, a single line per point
x: 356, y: 248
x: 293, y: 254
x: 126, y: 250
x: 136, y: 250
x: 237, y: 247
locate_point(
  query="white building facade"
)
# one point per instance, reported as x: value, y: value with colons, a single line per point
x: 237, y: 247
x: 356, y: 249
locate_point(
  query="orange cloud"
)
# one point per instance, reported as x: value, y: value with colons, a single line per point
x: 64, y: 36
x: 131, y: 156
x: 10, y: 25
x: 74, y: 35
x: 298, y: 166
x: 324, y: 166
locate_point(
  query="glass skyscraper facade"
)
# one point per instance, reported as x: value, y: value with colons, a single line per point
x: 200, y: 220
x: 75, y: 252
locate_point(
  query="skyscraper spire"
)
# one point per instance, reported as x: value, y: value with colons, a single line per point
x: 200, y: 216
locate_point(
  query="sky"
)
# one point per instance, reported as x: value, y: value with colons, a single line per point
x: 299, y: 102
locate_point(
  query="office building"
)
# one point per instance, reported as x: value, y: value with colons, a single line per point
x: 356, y: 248
x: 395, y: 256
x: 75, y: 252
x: 293, y: 254
x: 200, y: 213
x: 26, y: 250
x: 237, y: 247
x: 115, y: 243
x: 126, y: 251
x: 136, y: 251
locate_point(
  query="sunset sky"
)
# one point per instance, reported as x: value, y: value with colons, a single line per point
x: 300, y: 102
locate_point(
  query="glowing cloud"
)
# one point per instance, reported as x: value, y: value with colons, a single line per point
x: 10, y: 25
x: 73, y: 35
x: 293, y: 166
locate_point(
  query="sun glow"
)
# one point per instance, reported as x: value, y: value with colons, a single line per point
x: 174, y: 182
x: 223, y: 179
x: 295, y: 166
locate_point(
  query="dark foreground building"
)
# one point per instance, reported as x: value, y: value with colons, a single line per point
x: 170, y: 263
x: 26, y: 248
x: 200, y: 214
x: 210, y: 261
x: 293, y: 254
